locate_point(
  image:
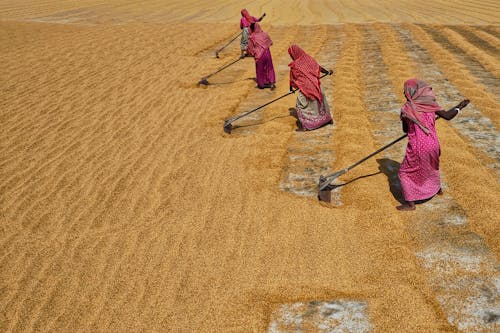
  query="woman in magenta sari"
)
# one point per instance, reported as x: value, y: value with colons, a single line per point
x: 312, y: 108
x: 419, y: 171
x: 258, y: 47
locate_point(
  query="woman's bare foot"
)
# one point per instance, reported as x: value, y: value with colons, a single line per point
x: 410, y: 205
x: 300, y: 128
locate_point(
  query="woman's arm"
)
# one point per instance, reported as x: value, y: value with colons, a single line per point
x: 448, y: 115
x: 451, y: 113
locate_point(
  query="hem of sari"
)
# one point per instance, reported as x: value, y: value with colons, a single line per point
x: 413, y: 192
x: 324, y: 115
x: 421, y: 198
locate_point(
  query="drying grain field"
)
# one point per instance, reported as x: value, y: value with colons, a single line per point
x: 124, y: 207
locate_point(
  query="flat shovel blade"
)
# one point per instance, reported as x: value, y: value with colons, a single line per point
x: 324, y: 192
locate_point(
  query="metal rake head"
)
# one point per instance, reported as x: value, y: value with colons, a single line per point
x: 325, y: 185
x: 228, y: 127
x: 324, y: 191
x: 204, y: 81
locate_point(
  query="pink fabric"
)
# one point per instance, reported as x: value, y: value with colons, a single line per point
x: 419, y: 171
x: 246, y: 18
x: 265, y: 70
x: 420, y: 99
x: 305, y: 73
x: 244, y: 23
x: 258, y: 42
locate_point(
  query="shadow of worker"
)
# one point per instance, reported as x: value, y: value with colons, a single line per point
x: 390, y: 168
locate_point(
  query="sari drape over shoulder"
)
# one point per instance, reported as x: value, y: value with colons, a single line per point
x: 419, y: 99
x: 258, y: 42
x: 312, y: 108
x: 305, y: 73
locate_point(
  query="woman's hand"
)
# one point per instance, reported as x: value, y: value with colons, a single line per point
x: 463, y: 104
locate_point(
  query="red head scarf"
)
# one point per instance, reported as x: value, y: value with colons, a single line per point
x: 419, y: 98
x: 304, y: 73
x: 258, y: 42
x: 250, y: 19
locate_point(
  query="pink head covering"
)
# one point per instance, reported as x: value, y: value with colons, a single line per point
x: 258, y: 42
x: 304, y: 73
x: 246, y: 15
x: 419, y: 98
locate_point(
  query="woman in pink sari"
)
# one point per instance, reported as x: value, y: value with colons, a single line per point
x: 258, y: 47
x: 419, y: 171
x: 245, y: 21
x: 312, y: 108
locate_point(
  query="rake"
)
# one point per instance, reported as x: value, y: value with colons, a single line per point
x: 325, y: 182
x: 217, y: 52
x: 325, y: 186
x: 228, y: 127
x: 204, y: 79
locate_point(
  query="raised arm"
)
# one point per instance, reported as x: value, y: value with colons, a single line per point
x: 451, y: 113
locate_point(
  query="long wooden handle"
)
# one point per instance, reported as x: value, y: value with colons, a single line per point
x: 238, y: 35
x: 231, y: 120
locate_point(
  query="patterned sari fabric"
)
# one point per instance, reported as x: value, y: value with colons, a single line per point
x: 311, y: 113
x: 312, y: 109
x: 304, y: 73
x: 419, y: 171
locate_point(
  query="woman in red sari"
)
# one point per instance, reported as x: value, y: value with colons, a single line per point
x: 312, y: 108
x: 258, y: 47
x: 419, y: 171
